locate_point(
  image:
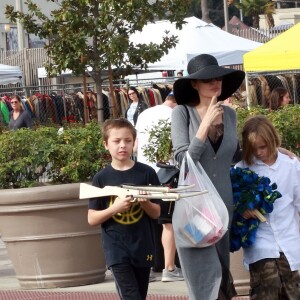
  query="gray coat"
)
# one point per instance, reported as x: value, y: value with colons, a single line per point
x: 204, y: 268
x: 216, y: 165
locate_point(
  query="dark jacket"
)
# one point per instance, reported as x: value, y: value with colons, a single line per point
x: 141, y: 107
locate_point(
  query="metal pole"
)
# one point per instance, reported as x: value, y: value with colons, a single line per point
x: 83, y: 60
x: 241, y: 13
x: 225, y: 15
x: 21, y: 32
x: 86, y: 118
x: 112, y: 92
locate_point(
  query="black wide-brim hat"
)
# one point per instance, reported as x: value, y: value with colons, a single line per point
x: 205, y: 66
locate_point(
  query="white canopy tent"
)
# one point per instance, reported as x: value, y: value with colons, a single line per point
x: 10, y: 74
x: 195, y: 37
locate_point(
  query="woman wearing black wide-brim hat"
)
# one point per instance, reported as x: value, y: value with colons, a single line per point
x: 208, y: 131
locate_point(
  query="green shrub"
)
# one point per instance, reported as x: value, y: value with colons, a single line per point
x: 80, y: 154
x: 74, y: 156
x: 286, y: 120
x: 24, y: 156
x: 159, y: 146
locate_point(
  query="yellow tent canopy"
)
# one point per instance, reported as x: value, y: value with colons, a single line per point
x: 279, y: 54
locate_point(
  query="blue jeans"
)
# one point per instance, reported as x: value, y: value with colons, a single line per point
x: 131, y: 282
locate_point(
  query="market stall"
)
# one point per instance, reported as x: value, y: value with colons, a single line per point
x: 273, y: 64
x: 10, y: 74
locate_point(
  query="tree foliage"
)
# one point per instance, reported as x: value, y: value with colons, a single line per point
x: 211, y: 11
x: 75, y: 155
x: 100, y: 32
x: 159, y: 146
x: 254, y: 8
x: 286, y: 120
x: 214, y: 9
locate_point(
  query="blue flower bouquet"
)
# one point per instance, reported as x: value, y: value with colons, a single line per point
x: 254, y: 192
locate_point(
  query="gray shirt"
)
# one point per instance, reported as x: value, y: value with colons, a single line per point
x: 22, y: 121
x: 217, y: 165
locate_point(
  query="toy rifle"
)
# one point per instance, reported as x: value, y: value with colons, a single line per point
x: 154, y: 192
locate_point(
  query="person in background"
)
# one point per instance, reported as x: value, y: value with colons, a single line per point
x: 179, y: 74
x: 150, y: 117
x: 126, y: 224
x: 228, y: 101
x: 279, y: 97
x: 136, y: 106
x: 208, y: 131
x: 273, y: 259
x: 19, y: 118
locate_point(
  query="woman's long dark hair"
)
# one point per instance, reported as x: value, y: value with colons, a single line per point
x: 276, y: 97
x: 132, y: 88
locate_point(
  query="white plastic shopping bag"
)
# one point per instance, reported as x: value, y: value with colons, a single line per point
x: 202, y: 220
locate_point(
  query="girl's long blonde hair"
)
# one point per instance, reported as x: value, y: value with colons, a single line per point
x: 258, y: 126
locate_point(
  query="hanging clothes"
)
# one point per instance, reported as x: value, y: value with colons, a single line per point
x: 4, y: 112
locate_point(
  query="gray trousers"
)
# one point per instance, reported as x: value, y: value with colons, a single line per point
x: 202, y: 269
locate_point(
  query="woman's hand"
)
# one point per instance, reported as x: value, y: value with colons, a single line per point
x: 213, y: 115
x: 290, y: 154
x: 214, y: 112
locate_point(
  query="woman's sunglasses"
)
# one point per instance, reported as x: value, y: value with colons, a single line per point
x: 14, y: 102
x: 211, y: 79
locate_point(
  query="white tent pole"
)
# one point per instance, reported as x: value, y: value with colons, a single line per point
x: 247, y: 90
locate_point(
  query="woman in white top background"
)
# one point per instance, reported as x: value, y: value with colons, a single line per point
x: 135, y: 107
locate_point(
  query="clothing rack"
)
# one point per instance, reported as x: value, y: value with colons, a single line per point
x: 20, y: 93
x: 45, y: 91
x: 71, y: 105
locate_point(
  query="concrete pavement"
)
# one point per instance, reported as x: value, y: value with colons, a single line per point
x: 9, y: 282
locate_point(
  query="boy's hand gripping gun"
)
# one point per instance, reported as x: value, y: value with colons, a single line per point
x: 154, y: 192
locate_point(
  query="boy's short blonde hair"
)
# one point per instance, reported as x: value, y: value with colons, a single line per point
x: 117, y: 124
x: 258, y: 126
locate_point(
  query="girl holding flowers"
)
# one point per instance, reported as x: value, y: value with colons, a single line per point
x: 274, y: 257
